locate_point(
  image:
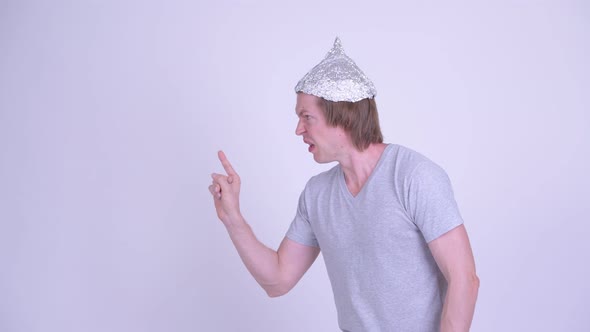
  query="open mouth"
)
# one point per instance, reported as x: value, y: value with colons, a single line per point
x: 311, y: 145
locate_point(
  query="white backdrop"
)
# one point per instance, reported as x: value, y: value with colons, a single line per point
x: 111, y: 113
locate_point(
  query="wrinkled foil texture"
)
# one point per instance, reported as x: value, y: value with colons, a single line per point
x: 337, y: 78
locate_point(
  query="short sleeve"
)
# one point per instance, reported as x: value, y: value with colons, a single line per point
x: 432, y: 204
x: 300, y: 230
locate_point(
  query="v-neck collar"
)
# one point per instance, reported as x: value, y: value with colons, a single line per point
x: 361, y: 192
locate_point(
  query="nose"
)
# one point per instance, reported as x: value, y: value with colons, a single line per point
x: 300, y: 129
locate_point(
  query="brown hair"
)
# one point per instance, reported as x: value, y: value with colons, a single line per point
x: 359, y: 119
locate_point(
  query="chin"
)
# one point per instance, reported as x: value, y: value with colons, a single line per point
x: 319, y: 160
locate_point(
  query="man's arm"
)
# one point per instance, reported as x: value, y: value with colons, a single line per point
x: 454, y: 257
x: 276, y: 271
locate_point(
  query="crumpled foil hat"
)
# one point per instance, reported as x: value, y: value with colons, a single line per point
x: 337, y: 78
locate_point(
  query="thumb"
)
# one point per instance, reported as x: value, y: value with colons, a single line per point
x: 230, y: 179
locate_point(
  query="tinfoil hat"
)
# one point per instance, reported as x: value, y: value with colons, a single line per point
x: 337, y: 78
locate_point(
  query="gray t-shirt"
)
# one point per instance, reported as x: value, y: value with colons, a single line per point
x: 374, y: 244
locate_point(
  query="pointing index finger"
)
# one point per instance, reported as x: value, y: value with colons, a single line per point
x: 226, y: 164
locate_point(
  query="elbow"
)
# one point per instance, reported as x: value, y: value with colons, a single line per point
x: 474, y: 281
x: 276, y: 290
x: 274, y: 293
x: 467, y: 283
x: 472, y: 284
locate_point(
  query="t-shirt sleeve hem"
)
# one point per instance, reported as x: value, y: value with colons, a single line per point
x: 301, y: 240
x: 443, y: 231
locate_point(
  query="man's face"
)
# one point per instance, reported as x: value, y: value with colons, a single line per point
x: 326, y: 143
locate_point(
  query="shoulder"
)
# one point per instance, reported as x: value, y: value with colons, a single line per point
x: 410, y: 166
x: 407, y: 155
x: 406, y: 160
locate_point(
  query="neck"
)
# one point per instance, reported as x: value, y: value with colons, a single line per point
x: 358, y: 166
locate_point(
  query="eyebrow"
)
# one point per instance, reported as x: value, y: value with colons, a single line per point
x: 300, y: 111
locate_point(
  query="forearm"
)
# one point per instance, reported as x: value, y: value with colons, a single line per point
x: 261, y: 261
x: 459, y: 305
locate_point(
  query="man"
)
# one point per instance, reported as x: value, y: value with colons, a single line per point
x: 385, y: 219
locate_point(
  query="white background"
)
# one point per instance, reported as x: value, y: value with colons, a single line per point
x: 111, y: 113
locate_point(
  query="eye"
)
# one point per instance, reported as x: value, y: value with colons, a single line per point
x: 307, y: 117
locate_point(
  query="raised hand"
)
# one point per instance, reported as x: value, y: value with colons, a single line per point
x: 226, y: 192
